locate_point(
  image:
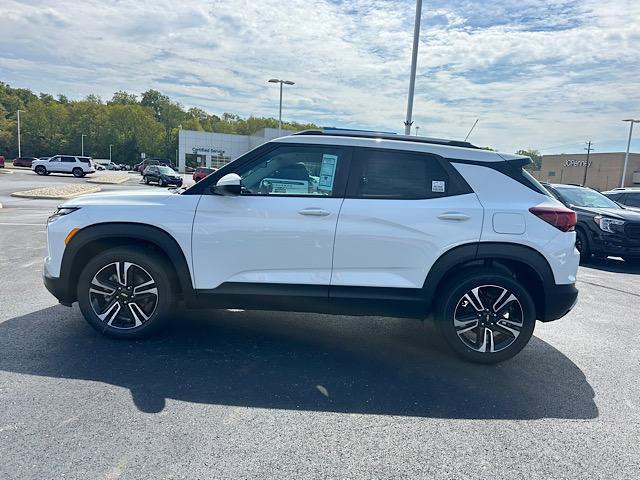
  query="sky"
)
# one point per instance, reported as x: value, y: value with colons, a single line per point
x: 537, y: 74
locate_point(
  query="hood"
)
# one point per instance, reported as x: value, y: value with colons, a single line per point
x: 123, y: 198
x: 622, y: 214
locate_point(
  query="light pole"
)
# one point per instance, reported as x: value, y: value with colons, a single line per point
x: 82, y: 140
x: 626, y: 157
x: 110, y: 145
x: 281, y: 82
x: 417, y: 128
x: 414, y: 61
x: 19, y: 150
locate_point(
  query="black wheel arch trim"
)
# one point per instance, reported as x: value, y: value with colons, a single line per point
x: 552, y: 305
x: 123, y: 231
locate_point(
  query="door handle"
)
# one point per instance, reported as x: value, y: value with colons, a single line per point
x: 314, y: 212
x: 454, y: 216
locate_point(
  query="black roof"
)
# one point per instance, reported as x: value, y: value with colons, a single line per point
x: 386, y: 136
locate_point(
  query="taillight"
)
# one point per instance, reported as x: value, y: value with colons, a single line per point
x: 561, y: 218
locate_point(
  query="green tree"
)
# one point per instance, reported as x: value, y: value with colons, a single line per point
x: 536, y: 158
x: 123, y: 98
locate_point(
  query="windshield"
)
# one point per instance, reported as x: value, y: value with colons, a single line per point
x: 166, y: 170
x: 584, y: 197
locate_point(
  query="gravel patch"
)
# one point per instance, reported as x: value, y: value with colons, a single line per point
x: 58, y: 192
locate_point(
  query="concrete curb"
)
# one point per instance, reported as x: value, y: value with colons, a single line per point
x: 4, y: 170
x: 63, y: 192
x: 109, y: 181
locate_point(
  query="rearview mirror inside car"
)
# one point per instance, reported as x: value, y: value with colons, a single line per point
x: 229, y: 185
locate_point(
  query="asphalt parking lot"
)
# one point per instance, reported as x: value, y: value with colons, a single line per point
x: 239, y: 394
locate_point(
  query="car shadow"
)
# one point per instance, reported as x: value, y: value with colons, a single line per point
x: 296, y: 361
x: 615, y: 265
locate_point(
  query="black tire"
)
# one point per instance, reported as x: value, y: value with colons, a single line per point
x: 510, y: 327
x: 582, y: 244
x: 146, y: 180
x: 632, y: 260
x: 40, y: 170
x: 162, y: 183
x: 132, y: 318
x: 78, y: 172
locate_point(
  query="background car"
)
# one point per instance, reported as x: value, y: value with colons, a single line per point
x: 629, y: 197
x: 202, y: 172
x: 23, y: 161
x: 77, y: 166
x: 604, y: 228
x: 140, y: 167
x: 1, y: 161
x: 162, y: 175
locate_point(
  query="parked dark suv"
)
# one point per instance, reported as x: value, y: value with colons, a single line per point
x: 162, y: 175
x: 604, y: 228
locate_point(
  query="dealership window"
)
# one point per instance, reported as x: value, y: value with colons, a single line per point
x: 293, y: 171
x: 552, y: 173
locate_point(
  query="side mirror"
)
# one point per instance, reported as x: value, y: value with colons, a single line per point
x: 229, y: 185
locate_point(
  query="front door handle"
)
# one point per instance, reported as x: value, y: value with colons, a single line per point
x: 454, y: 216
x: 314, y: 212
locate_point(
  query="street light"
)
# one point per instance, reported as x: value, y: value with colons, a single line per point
x: 414, y: 61
x: 626, y: 157
x: 281, y: 82
x: 19, y: 151
x: 82, y: 140
x: 110, y: 145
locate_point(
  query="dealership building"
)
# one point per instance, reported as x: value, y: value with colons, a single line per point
x: 604, y: 170
x: 217, y: 149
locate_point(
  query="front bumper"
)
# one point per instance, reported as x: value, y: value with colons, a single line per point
x: 558, y: 301
x: 614, y: 245
x: 59, y: 289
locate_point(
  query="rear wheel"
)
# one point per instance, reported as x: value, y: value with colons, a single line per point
x: 125, y: 293
x: 485, y: 316
x: 40, y: 170
x: 78, y: 172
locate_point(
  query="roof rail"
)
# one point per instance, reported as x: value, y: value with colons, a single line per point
x: 385, y: 136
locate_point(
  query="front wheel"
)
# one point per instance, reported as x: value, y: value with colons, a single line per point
x: 485, y: 316
x: 125, y: 293
x: 146, y: 180
x: 582, y: 245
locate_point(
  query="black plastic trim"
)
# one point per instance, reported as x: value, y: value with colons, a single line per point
x: 105, y: 232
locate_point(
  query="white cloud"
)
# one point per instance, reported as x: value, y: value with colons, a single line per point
x: 537, y: 73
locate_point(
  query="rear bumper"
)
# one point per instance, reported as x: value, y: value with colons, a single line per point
x: 559, y: 300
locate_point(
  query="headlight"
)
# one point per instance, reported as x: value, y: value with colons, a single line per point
x: 606, y: 224
x: 61, y: 212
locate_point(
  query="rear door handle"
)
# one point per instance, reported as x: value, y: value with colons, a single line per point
x: 314, y: 212
x: 454, y: 216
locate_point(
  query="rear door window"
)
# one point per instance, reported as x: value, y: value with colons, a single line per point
x: 389, y: 174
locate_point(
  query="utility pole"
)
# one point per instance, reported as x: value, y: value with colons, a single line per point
x: 414, y: 60
x: 626, y: 157
x: 110, y: 145
x: 586, y: 164
x: 82, y: 140
x: 19, y: 151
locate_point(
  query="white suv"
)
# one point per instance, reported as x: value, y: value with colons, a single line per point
x: 77, y: 166
x: 330, y: 221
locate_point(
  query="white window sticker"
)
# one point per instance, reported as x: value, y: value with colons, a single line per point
x: 437, y: 186
x: 327, y: 172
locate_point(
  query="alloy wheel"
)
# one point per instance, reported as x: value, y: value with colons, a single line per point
x: 123, y: 295
x: 488, y: 318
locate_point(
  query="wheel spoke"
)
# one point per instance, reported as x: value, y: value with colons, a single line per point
x: 100, y: 288
x: 110, y: 313
x: 147, y: 287
x: 503, y: 300
x: 138, y: 315
x: 474, y: 299
x: 465, y: 323
x: 487, y: 344
x: 508, y: 328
